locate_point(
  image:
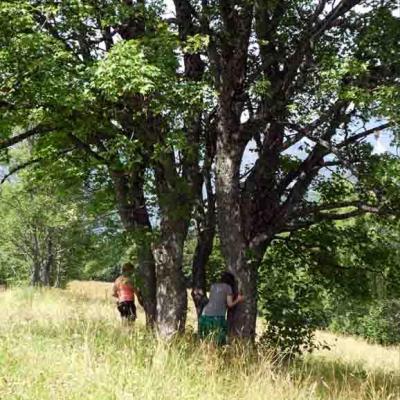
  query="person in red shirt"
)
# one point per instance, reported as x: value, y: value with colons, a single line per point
x: 124, y: 291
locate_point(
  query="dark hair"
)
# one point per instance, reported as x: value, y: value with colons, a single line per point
x: 229, y: 279
x: 127, y: 268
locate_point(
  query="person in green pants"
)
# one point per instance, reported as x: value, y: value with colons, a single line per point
x: 212, y: 322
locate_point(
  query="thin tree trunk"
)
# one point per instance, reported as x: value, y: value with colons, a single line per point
x: 47, y: 265
x: 204, y: 247
x: 57, y: 280
x: 35, y: 274
x: 206, y: 222
x: 202, y: 253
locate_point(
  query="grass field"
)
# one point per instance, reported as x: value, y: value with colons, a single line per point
x: 70, y: 344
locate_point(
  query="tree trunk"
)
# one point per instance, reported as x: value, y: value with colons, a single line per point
x: 57, y: 279
x: 202, y: 253
x: 45, y: 274
x: 242, y: 320
x: 171, y: 285
x: 35, y: 273
x: 135, y: 219
x: 231, y: 63
x: 206, y: 221
x: 46, y: 269
x: 146, y: 274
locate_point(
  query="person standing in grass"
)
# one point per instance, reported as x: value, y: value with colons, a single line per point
x: 124, y: 291
x: 212, y: 322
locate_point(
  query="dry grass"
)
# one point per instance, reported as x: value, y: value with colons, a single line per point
x: 349, y: 349
x: 71, y: 345
x: 91, y: 289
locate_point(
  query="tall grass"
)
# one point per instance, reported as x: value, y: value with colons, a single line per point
x: 66, y: 345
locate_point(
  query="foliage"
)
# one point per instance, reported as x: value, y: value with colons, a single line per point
x: 378, y: 321
x: 382, y: 323
x: 48, y: 233
x: 37, y: 234
x: 328, y: 275
x: 291, y: 301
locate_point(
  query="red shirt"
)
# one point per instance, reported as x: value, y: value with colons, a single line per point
x: 124, y: 289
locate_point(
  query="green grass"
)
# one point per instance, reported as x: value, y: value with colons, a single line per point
x: 59, y: 345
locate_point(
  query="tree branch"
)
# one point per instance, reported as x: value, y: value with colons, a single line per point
x: 319, y: 216
x: 28, y: 163
x: 342, y: 8
x: 305, y: 211
x: 312, y: 33
x: 86, y: 147
x: 37, y: 130
x: 51, y: 29
x: 319, y: 9
x: 323, y: 143
x: 362, y: 135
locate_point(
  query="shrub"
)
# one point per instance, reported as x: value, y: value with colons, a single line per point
x: 382, y: 323
x: 378, y: 322
x: 290, y: 327
x: 292, y: 304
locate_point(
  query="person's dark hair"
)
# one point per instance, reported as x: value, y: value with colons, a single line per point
x: 229, y: 279
x: 127, y: 268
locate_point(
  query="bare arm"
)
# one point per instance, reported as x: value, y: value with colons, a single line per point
x: 115, y: 291
x: 232, y: 303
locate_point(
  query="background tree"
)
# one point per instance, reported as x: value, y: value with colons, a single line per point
x: 44, y: 240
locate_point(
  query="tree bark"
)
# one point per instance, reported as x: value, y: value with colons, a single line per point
x: 35, y: 273
x: 57, y: 279
x: 45, y: 271
x: 242, y: 320
x: 171, y: 285
x: 202, y: 253
x: 176, y: 205
x: 206, y: 222
x: 146, y: 273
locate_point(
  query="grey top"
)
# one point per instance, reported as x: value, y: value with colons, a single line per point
x: 217, y: 305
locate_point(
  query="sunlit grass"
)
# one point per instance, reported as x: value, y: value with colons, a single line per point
x: 58, y: 344
x: 348, y: 349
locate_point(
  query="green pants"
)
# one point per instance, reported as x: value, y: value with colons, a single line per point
x: 213, y: 327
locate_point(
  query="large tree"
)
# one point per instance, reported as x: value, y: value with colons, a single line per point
x: 102, y: 79
x: 322, y: 75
